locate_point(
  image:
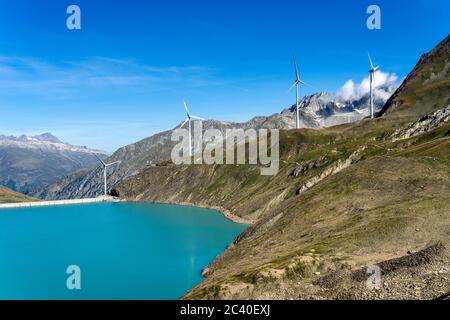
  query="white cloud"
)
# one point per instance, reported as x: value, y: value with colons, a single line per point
x: 384, y: 85
x: 348, y: 90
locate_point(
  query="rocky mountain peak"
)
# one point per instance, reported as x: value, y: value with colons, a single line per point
x: 426, y: 88
x: 45, y: 137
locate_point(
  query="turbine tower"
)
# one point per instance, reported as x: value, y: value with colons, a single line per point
x: 105, y: 167
x: 189, y: 120
x: 372, y: 80
x: 297, y: 85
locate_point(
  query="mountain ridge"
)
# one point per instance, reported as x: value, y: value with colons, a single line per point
x: 42, y: 141
x: 30, y: 162
x: 424, y: 89
x: 41, y: 137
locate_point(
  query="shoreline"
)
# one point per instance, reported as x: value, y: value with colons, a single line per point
x: 225, y: 212
x: 56, y: 202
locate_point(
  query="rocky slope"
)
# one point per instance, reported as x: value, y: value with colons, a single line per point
x: 426, y: 88
x: 317, y: 111
x: 345, y: 199
x: 366, y: 200
x: 28, y: 163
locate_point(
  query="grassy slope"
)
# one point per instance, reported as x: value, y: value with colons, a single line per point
x: 241, y: 189
x: 365, y: 214
x: 375, y: 210
x: 9, y: 196
x: 395, y: 198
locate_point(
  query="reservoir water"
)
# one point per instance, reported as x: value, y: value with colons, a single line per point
x: 124, y: 250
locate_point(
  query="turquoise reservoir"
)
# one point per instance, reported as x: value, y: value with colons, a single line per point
x: 124, y: 250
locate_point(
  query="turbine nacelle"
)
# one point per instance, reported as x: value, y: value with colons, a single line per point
x: 106, y: 164
x: 373, y: 70
x: 188, y: 120
x: 187, y: 110
x: 189, y: 117
x: 105, y: 167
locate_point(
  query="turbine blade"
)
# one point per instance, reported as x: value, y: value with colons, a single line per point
x: 111, y: 164
x: 198, y: 118
x: 103, y: 163
x: 296, y: 70
x: 186, y: 107
x: 184, y: 123
x: 307, y: 84
x: 370, y: 60
x: 292, y: 87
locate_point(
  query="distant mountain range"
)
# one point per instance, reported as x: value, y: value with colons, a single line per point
x: 317, y: 111
x: 28, y: 163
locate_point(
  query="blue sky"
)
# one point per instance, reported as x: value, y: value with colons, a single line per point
x: 124, y: 76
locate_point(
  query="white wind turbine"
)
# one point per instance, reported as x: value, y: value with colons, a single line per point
x: 372, y: 80
x: 105, y: 167
x: 296, y: 84
x: 189, y: 121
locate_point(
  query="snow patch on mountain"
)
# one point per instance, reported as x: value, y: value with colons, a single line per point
x: 350, y: 103
x: 46, y: 141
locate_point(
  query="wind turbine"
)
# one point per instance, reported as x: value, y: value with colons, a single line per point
x: 189, y: 121
x: 372, y: 80
x: 105, y: 167
x: 296, y: 85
